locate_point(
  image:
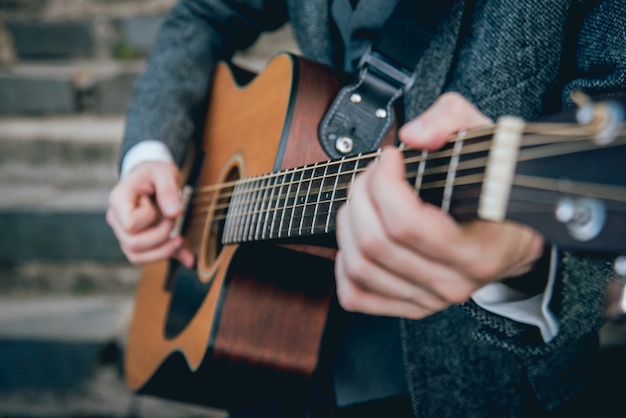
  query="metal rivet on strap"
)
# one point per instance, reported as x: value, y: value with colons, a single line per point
x: 344, y: 144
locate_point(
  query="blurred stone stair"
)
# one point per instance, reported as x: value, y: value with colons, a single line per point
x: 66, y: 72
x: 55, y: 176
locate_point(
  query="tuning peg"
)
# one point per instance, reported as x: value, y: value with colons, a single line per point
x: 606, y: 116
x: 615, y: 304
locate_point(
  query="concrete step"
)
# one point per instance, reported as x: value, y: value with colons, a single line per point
x: 65, y: 153
x: 49, y: 88
x: 55, y: 177
x: 58, y: 342
x: 62, y: 356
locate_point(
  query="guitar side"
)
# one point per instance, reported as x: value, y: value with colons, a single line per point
x: 237, y: 116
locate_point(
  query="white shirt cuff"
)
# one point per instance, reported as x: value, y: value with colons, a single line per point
x: 513, y: 304
x: 149, y: 150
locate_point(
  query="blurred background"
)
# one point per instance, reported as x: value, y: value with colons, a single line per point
x: 66, y: 291
x: 66, y: 72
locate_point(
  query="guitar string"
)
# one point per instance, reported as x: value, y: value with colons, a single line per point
x: 615, y: 194
x: 560, y: 130
x: 609, y: 193
x: 460, y: 208
x: 433, y: 155
x: 477, y: 149
x: 476, y: 163
x: 551, y: 185
x: 525, y: 155
x: 471, y: 164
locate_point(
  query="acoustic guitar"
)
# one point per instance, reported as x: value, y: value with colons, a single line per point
x: 253, y: 316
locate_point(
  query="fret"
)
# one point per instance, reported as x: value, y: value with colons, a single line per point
x: 434, y: 176
x: 254, y: 189
x: 289, y: 204
x: 354, y: 173
x: 452, y: 167
x: 420, y: 170
x: 261, y: 198
x: 268, y: 207
x: 323, y: 197
x: 240, y: 209
x: 352, y: 176
x: 310, y: 199
x: 333, y: 196
x: 227, y: 236
x: 300, y: 199
x: 280, y: 205
x: 470, y: 170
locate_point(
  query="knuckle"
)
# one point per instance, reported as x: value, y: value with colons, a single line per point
x: 484, y: 270
x: 451, y: 99
x: 132, y: 257
x: 455, y: 296
x: 347, y: 297
x: 399, y: 232
x: 132, y: 245
x: 370, y: 246
x: 129, y: 225
x: 356, y: 269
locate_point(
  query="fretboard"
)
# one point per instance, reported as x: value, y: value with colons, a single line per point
x: 304, y: 201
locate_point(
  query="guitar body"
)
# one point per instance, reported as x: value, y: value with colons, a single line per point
x: 248, y: 319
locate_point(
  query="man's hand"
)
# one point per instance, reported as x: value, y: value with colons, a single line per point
x: 400, y: 256
x: 142, y: 210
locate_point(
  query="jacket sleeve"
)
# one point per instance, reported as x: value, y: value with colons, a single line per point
x: 169, y: 98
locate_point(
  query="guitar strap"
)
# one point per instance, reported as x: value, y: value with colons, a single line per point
x: 362, y: 113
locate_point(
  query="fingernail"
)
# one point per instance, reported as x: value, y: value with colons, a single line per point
x: 172, y: 207
x: 415, y: 132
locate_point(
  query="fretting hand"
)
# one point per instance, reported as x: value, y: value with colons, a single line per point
x: 400, y: 256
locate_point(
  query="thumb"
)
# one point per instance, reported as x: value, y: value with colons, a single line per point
x: 167, y: 190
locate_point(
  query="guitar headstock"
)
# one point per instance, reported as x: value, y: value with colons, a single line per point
x: 570, y: 179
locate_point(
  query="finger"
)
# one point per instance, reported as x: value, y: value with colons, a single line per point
x: 137, y: 242
x: 148, y: 238
x: 167, y: 190
x: 356, y: 299
x: 121, y: 231
x: 393, y: 273
x: 131, y: 211
x: 406, y: 220
x: 186, y: 257
x: 493, y: 250
x: 401, y: 272
x: 450, y: 113
x: 160, y: 252
x: 375, y: 261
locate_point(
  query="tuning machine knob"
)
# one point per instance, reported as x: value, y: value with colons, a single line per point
x: 606, y: 117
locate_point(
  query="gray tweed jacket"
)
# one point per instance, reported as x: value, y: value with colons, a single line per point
x: 507, y: 57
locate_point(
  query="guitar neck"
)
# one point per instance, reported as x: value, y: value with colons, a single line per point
x: 530, y: 174
x: 303, y: 201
